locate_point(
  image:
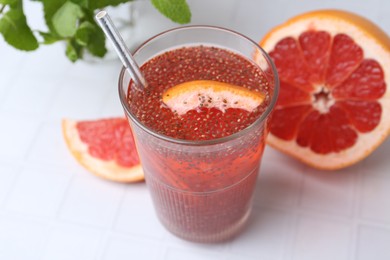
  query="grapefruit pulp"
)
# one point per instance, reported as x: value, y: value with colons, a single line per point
x: 105, y: 147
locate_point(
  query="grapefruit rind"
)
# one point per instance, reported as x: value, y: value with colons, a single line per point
x: 106, y: 169
x: 208, y: 93
x: 375, y: 44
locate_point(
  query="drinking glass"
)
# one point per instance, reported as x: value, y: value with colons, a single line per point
x: 202, y: 190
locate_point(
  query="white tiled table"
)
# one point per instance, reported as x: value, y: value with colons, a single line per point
x: 51, y: 208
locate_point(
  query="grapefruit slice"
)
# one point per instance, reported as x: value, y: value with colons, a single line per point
x: 334, y: 104
x: 105, y: 147
x: 208, y: 93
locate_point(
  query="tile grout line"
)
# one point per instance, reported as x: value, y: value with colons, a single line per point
x: 19, y: 170
x: 66, y: 192
x: 55, y: 94
x: 56, y: 218
x: 352, y: 252
x: 110, y: 228
x: 296, y: 217
x: 33, y: 141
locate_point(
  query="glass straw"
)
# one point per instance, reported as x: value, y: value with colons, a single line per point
x: 121, y: 49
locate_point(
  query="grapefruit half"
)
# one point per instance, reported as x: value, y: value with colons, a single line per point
x: 334, y: 103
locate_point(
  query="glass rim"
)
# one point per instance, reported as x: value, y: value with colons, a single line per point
x: 260, y: 119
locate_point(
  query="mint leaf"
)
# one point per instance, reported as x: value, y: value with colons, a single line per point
x: 65, y: 19
x: 84, y: 33
x: 73, y: 51
x: 92, y: 37
x: 82, y: 3
x: 11, y: 3
x: 97, y: 41
x: 96, y: 4
x: 50, y: 7
x: 13, y: 26
x: 176, y: 10
x: 97, y: 44
x: 49, y: 38
x: 8, y: 2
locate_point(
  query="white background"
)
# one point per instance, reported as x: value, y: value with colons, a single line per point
x: 51, y: 208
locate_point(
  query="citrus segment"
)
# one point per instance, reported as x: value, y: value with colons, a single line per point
x: 290, y: 65
x: 105, y: 147
x: 315, y: 49
x: 366, y: 82
x: 345, y: 57
x: 208, y: 93
x: 358, y: 111
x: 325, y: 133
x: 334, y: 102
x: 285, y: 123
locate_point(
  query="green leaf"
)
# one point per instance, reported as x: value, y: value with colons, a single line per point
x: 49, y: 38
x: 16, y: 32
x: 50, y: 7
x: 96, y: 4
x: 84, y: 33
x: 97, y: 44
x: 65, y: 19
x: 73, y: 51
x: 8, y: 2
x: 176, y: 10
x: 82, y: 3
x: 14, y: 4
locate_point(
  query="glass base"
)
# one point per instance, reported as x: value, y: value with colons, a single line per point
x: 205, y: 217
x: 222, y: 236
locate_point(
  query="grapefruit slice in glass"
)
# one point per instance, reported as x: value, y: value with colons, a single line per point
x: 105, y: 147
x: 208, y: 93
x: 334, y: 103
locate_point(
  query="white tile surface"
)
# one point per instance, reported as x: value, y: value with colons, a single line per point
x: 49, y: 147
x: 178, y: 254
x: 266, y: 236
x: 136, y: 214
x: 31, y: 102
x: 91, y: 201
x: 373, y: 205
x: 38, y: 191
x: 69, y: 101
x: 112, y: 106
x: 175, y: 242
x: 335, y: 190
x: 274, y: 174
x: 125, y: 249
x: 21, y: 238
x: 67, y: 242
x: 321, y: 239
x: 8, y: 174
x: 17, y: 132
x: 375, y: 165
x: 240, y: 257
x: 373, y: 243
x: 14, y: 59
x: 52, y: 208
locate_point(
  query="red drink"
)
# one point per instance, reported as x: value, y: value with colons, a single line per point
x: 200, y: 167
x: 196, y: 63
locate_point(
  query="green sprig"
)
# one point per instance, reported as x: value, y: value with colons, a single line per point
x: 72, y: 22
